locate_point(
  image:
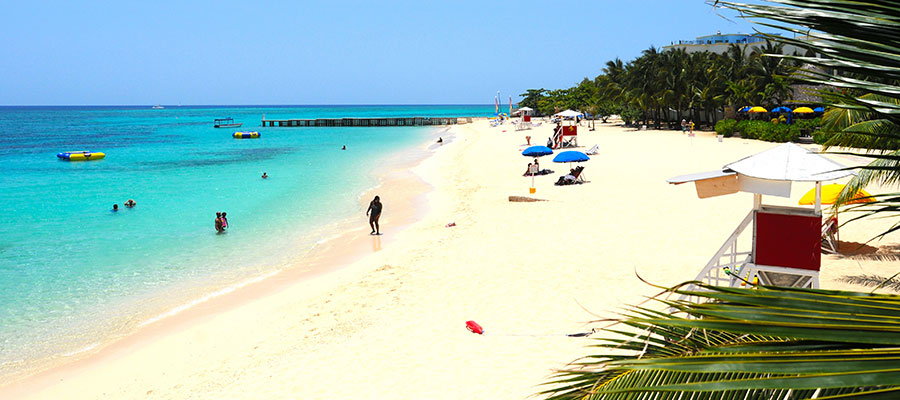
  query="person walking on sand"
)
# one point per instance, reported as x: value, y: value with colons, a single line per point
x: 683, y: 126
x: 374, y: 212
x: 691, y: 126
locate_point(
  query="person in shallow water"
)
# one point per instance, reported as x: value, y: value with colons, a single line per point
x: 224, y: 220
x: 264, y: 176
x: 219, y: 227
x: 344, y: 148
x: 115, y: 208
x: 374, y: 212
x: 130, y: 203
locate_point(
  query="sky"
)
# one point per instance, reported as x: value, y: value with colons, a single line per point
x: 265, y: 52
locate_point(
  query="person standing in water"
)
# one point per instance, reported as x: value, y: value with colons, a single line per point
x: 374, y: 212
x: 224, y: 220
x: 219, y: 227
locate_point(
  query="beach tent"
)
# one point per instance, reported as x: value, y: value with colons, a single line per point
x: 568, y: 114
x: 786, y: 243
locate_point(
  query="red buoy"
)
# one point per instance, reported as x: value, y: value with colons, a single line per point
x: 473, y: 327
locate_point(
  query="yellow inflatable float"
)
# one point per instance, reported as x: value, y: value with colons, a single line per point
x: 80, y: 155
x: 246, y: 135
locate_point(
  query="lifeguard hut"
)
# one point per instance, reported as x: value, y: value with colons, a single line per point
x: 786, y: 243
x: 567, y: 133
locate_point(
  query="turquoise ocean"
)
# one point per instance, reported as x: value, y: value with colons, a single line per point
x: 74, y: 274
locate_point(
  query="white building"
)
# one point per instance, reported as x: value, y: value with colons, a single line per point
x: 720, y: 42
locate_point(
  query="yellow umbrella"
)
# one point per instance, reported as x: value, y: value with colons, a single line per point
x: 757, y: 109
x: 830, y: 194
x: 804, y: 110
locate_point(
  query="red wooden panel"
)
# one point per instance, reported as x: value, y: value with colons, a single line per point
x: 526, y: 118
x: 570, y: 130
x: 792, y: 241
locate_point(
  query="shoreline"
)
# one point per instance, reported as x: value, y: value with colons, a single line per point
x: 391, y: 324
x: 344, y: 243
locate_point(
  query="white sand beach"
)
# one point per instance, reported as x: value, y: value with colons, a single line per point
x: 387, y: 319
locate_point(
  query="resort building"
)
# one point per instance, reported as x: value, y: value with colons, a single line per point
x: 720, y: 42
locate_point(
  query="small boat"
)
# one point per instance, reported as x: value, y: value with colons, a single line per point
x: 80, y: 155
x: 226, y: 123
x: 246, y: 135
x: 157, y: 107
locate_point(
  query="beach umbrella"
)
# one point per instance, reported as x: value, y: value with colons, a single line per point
x: 830, y: 194
x: 744, y: 109
x: 781, y: 109
x: 571, y: 156
x: 804, y: 110
x: 819, y: 109
x: 757, y: 109
x: 536, y: 151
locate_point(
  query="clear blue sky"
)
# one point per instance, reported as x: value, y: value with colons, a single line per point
x: 325, y: 52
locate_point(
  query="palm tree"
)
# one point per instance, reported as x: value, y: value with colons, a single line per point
x: 740, y: 343
x: 768, y: 342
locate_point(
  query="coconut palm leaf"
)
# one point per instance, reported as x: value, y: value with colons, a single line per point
x: 737, y: 343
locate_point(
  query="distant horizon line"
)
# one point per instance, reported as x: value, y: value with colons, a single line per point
x: 234, y: 105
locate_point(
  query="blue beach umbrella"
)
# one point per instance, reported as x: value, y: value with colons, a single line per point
x: 745, y: 109
x: 536, y: 151
x: 819, y: 109
x: 571, y: 156
x: 781, y: 109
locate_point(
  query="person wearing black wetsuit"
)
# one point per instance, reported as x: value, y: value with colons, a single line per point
x: 374, y: 212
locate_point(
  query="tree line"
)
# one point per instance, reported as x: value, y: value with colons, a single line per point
x: 662, y: 87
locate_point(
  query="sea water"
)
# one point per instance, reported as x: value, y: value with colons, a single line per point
x: 73, y: 273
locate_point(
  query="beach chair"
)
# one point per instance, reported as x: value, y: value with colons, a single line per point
x: 594, y: 150
x: 830, y: 235
x: 579, y: 177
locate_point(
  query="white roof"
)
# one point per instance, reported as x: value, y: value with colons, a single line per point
x: 526, y: 109
x: 568, y: 113
x: 789, y: 162
x: 698, y: 176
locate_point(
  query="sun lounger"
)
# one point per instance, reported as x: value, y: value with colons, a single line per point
x: 594, y: 150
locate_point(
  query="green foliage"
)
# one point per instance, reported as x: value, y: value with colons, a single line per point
x: 726, y: 127
x: 760, y: 130
x: 744, y: 343
x: 630, y: 115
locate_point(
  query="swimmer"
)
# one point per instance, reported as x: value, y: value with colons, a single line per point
x: 115, y: 208
x: 264, y: 176
x: 130, y: 203
x: 344, y: 148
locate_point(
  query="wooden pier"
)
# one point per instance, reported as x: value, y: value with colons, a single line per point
x: 335, y: 122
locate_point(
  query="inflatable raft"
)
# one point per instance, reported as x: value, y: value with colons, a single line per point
x: 246, y: 135
x: 80, y: 155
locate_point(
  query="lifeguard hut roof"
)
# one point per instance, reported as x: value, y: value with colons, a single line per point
x: 789, y: 162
